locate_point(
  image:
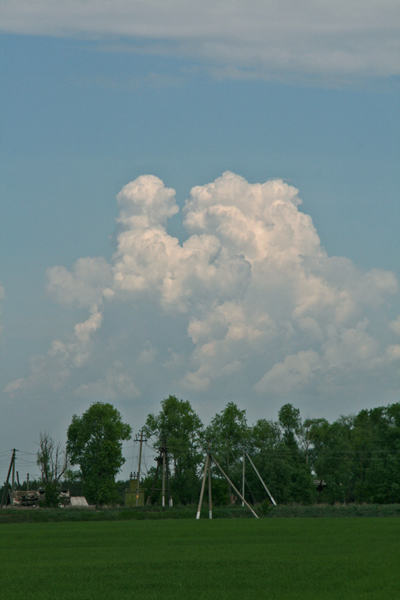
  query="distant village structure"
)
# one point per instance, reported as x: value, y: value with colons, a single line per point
x: 131, y: 498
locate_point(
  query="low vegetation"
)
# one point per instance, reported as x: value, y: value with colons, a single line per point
x: 151, y: 513
x: 278, y: 559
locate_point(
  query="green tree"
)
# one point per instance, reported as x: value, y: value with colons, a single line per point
x: 228, y: 437
x: 95, y: 444
x: 379, y: 446
x: 228, y: 433
x: 264, y: 439
x: 280, y: 451
x: 290, y: 421
x: 179, y: 425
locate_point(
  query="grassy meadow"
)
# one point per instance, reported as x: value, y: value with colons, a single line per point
x: 278, y: 559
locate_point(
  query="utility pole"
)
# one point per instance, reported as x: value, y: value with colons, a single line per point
x: 162, y: 459
x: 227, y: 468
x: 209, y: 487
x: 13, y: 479
x: 243, y: 475
x: 140, y: 462
x: 207, y: 469
x: 203, y: 484
x: 159, y: 461
x: 5, y: 492
x: 27, y: 482
x: 167, y: 472
x: 233, y: 487
x: 261, y: 479
x: 163, y: 477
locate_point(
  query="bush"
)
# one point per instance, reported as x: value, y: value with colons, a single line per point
x: 52, y: 496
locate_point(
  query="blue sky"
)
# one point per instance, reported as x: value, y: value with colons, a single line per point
x: 90, y: 104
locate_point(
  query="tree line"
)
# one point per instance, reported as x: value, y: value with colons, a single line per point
x: 354, y: 459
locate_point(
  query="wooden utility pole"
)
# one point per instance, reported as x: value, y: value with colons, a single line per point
x: 13, y: 479
x: 162, y: 459
x: 163, y: 477
x: 243, y: 474
x: 5, y: 492
x: 207, y: 469
x: 159, y: 461
x: 167, y: 472
x: 227, y: 468
x: 203, y: 483
x: 209, y: 490
x: 140, y: 462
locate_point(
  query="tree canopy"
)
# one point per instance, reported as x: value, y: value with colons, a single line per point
x: 357, y: 456
x: 95, y: 444
x: 179, y: 425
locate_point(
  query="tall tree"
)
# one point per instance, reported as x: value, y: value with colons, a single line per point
x: 51, y: 459
x: 382, y: 474
x: 95, y: 444
x: 290, y: 421
x: 180, y: 426
x: 228, y: 435
x: 53, y: 463
x: 358, y: 456
x: 280, y: 455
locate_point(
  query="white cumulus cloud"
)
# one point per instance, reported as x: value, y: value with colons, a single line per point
x: 53, y: 371
x: 84, y: 285
x: 250, y: 301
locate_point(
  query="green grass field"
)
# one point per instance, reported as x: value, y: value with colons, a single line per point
x: 278, y: 559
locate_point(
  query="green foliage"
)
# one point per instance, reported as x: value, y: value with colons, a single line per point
x: 280, y: 452
x: 289, y: 420
x: 227, y: 435
x: 228, y: 431
x: 220, y: 492
x: 359, y: 456
x: 52, y: 495
x: 94, y: 443
x: 180, y: 427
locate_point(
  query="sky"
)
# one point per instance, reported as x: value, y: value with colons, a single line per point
x: 198, y: 199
